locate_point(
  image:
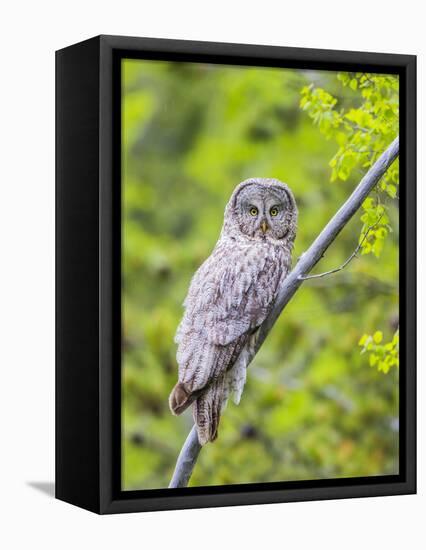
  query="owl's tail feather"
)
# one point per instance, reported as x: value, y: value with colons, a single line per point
x: 180, y: 398
x: 206, y: 411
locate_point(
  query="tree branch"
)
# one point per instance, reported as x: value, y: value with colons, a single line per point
x: 186, y: 460
x: 191, y: 448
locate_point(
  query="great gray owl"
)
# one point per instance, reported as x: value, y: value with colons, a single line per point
x: 229, y: 297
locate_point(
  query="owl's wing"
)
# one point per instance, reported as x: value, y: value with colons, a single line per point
x: 232, y: 293
x: 229, y: 297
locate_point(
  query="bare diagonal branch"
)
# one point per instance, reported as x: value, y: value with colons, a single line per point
x: 191, y: 448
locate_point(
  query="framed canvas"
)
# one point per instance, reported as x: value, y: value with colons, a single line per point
x: 273, y: 190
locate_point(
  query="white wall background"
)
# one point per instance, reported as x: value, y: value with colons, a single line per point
x: 29, y: 34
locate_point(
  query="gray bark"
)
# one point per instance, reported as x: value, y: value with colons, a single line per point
x: 191, y: 448
x: 186, y: 461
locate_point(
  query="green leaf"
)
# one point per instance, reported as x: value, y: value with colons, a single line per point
x: 378, y: 336
x: 391, y: 191
x: 363, y: 339
x: 373, y: 359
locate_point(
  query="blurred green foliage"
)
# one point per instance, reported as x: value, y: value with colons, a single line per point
x: 312, y: 408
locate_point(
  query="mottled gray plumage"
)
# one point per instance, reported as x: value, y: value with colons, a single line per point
x: 229, y: 297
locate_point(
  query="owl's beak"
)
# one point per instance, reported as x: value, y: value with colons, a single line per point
x: 264, y: 226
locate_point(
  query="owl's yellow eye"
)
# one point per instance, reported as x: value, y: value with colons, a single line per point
x: 273, y: 211
x: 254, y: 211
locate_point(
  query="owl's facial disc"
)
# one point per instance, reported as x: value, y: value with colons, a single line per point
x: 263, y: 211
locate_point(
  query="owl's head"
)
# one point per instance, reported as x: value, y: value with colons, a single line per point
x: 263, y: 209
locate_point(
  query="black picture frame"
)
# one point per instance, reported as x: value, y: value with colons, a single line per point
x: 88, y: 277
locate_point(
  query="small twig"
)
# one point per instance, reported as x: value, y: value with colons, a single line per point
x: 346, y: 262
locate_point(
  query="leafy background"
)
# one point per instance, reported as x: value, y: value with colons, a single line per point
x: 321, y: 400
